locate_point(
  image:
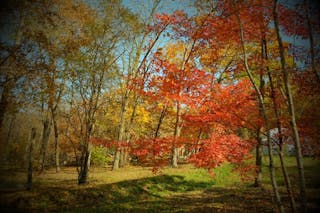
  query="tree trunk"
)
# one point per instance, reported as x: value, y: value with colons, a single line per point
x: 89, y: 157
x: 121, y: 161
x: 4, y: 103
x: 5, y: 142
x: 86, y: 153
x: 264, y: 114
x: 56, y: 140
x: 176, y: 135
x: 197, y: 143
x: 11, y: 126
x: 257, y: 179
x: 125, y: 152
x: 44, y: 142
x: 116, y: 160
x: 291, y: 110
x: 277, y: 113
x: 125, y: 155
x: 121, y: 133
x: 30, y: 166
x: 84, y: 167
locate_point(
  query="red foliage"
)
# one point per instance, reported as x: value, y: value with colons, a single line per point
x: 153, y: 152
x: 108, y: 143
x: 221, y: 147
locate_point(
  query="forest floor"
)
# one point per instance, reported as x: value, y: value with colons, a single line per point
x: 137, y: 189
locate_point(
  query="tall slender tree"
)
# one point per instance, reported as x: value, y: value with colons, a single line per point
x: 291, y: 110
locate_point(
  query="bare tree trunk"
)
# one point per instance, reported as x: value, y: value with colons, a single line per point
x: 4, y: 103
x: 197, y: 143
x: 5, y: 142
x: 30, y: 166
x: 116, y: 160
x: 291, y: 110
x: 121, y: 160
x: 257, y: 179
x: 121, y: 133
x: 118, y: 149
x: 89, y: 157
x: 44, y: 142
x: 84, y: 169
x: 56, y: 140
x: 86, y: 153
x: 176, y: 134
x: 11, y: 126
x: 264, y: 114
x: 125, y: 155
x: 162, y: 115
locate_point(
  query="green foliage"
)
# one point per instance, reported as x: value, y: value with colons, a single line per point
x: 99, y: 156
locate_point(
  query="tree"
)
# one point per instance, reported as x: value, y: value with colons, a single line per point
x: 264, y: 113
x: 136, y: 72
x: 291, y: 110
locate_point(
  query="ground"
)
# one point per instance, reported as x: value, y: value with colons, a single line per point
x: 137, y: 189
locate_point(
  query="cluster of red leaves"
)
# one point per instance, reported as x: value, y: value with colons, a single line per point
x: 221, y: 147
x: 154, y: 152
x: 233, y: 106
x: 111, y: 144
x: 293, y: 21
x: 174, y: 84
x: 307, y: 102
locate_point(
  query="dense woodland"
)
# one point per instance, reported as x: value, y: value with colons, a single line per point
x: 113, y: 84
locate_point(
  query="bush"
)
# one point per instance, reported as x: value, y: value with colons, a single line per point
x: 100, y: 156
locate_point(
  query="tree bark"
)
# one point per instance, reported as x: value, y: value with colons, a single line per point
x: 30, y: 166
x: 257, y: 179
x: 44, y: 142
x: 176, y: 135
x: 56, y: 141
x: 11, y: 126
x: 121, y: 133
x: 84, y: 169
x: 122, y: 156
x: 86, y: 153
x: 291, y: 110
x: 4, y: 103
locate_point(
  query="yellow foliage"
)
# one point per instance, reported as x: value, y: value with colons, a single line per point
x: 177, y: 52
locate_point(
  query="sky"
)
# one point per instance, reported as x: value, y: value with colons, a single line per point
x: 166, y: 6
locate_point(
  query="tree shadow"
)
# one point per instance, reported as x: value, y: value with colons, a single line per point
x: 164, y: 193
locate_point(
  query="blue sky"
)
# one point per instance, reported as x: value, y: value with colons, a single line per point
x: 166, y: 6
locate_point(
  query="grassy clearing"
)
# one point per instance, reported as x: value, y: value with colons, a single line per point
x: 136, y: 189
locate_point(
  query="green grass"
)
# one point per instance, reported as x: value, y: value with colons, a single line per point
x: 311, y: 168
x: 136, y: 189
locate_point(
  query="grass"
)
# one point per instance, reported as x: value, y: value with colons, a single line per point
x: 136, y: 189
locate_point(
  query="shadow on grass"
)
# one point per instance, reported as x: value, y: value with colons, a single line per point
x: 165, y: 193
